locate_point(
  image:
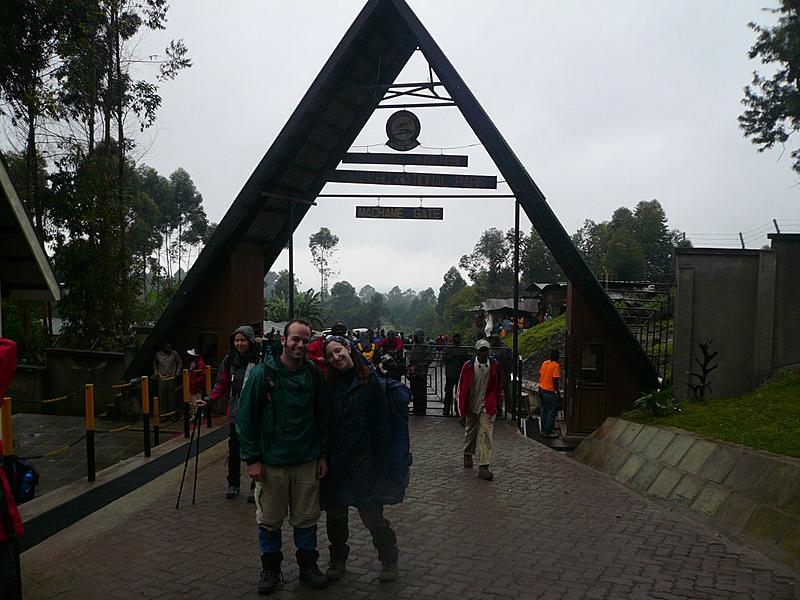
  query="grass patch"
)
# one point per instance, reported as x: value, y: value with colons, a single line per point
x: 767, y: 418
x: 538, y: 338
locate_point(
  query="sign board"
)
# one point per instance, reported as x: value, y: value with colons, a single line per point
x: 434, y: 213
x: 441, y: 180
x: 429, y: 160
x: 403, y: 130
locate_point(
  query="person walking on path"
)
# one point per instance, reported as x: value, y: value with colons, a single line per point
x: 167, y: 366
x: 480, y: 391
x: 237, y: 365
x: 420, y: 356
x: 549, y: 375
x: 360, y: 447
x: 283, y: 431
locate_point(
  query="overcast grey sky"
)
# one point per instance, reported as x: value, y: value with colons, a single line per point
x: 606, y: 103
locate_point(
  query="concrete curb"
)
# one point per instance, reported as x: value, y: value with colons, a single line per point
x: 749, y: 495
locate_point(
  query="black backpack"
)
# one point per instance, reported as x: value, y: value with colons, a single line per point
x: 22, y: 478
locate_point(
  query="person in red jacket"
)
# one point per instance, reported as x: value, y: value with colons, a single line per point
x: 197, y: 374
x: 10, y: 522
x: 480, y: 392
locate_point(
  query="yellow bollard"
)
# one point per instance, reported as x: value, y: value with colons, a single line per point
x: 7, y: 429
x: 145, y: 395
x: 90, y: 457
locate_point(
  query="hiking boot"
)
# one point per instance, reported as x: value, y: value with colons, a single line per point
x: 233, y: 491
x: 468, y: 461
x: 335, y: 570
x: 388, y: 572
x: 309, y: 571
x: 313, y: 577
x: 271, y: 576
x: 485, y: 474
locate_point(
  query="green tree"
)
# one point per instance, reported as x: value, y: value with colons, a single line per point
x: 29, y: 33
x: 650, y: 230
x: 452, y: 284
x: 772, y: 103
x: 376, y: 309
x: 366, y: 292
x: 536, y: 261
x: 282, y: 284
x: 624, y: 257
x: 323, y: 247
x: 489, y: 264
x: 74, y: 65
x: 345, y: 305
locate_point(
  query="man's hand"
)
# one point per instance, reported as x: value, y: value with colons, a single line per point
x: 254, y: 471
x: 322, y: 468
x: 201, y: 402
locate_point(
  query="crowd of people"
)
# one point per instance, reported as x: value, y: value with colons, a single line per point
x: 315, y: 419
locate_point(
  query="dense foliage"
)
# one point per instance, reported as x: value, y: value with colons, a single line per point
x: 772, y: 103
x: 69, y: 93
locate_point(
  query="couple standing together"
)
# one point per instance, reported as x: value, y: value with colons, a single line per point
x: 313, y: 441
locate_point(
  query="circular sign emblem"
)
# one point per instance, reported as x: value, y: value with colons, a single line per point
x: 403, y: 129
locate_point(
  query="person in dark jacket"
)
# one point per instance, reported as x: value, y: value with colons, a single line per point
x: 454, y: 358
x: 283, y: 428
x: 234, y: 371
x: 10, y: 522
x: 420, y: 358
x: 358, y: 455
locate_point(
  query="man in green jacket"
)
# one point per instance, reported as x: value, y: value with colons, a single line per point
x: 283, y: 436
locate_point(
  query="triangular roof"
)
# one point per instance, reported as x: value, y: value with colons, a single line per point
x: 322, y: 128
x: 25, y: 271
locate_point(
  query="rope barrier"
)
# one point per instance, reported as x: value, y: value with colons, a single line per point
x: 117, y: 429
x: 59, y: 398
x: 57, y: 450
x: 119, y: 386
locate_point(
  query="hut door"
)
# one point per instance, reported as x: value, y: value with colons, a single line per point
x: 590, y: 386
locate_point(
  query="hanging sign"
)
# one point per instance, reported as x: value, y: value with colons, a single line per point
x: 428, y: 160
x: 403, y: 130
x: 442, y: 180
x: 433, y: 213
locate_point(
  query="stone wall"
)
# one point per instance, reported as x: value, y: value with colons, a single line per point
x: 751, y: 496
x: 748, y: 303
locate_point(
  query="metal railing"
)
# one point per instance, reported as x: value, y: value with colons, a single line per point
x: 147, y: 412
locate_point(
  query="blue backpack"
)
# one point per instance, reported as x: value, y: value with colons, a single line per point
x: 22, y: 478
x: 398, y: 397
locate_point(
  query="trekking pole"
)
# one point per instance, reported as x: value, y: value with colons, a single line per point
x: 198, y: 420
x: 185, y: 466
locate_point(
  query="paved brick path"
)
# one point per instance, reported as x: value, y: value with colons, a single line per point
x: 545, y: 528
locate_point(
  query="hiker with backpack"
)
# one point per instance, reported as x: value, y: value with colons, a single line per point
x: 368, y: 455
x: 283, y: 431
x: 233, y: 373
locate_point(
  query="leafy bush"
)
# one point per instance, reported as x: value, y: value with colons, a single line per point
x: 659, y: 403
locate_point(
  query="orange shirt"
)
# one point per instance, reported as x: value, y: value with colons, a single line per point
x: 549, y: 371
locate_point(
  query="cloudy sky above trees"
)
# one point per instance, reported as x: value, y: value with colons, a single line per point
x: 606, y: 103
